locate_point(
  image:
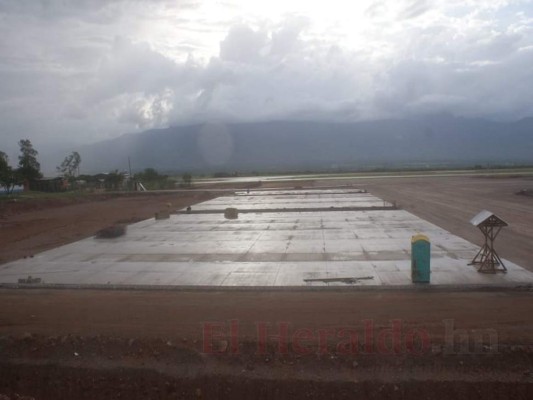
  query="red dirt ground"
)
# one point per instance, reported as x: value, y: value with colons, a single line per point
x: 68, y: 344
x: 105, y: 344
x: 451, y: 202
x: 31, y: 226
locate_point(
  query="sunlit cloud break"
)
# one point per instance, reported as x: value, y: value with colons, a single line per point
x: 81, y: 71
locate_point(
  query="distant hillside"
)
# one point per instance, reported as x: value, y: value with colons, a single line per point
x: 285, y: 145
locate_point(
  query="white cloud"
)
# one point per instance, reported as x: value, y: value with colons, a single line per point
x: 79, y: 71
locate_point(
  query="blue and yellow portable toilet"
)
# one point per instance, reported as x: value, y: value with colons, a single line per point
x: 420, y: 259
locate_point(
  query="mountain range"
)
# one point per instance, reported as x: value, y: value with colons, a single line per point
x: 315, y: 146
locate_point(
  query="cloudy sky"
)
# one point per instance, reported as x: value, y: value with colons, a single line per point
x: 85, y: 70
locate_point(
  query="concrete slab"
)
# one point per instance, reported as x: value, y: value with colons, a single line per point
x: 292, y: 200
x: 269, y: 249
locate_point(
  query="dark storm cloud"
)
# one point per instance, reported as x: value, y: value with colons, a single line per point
x: 79, y: 71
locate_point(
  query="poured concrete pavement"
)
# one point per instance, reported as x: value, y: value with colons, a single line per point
x: 267, y: 249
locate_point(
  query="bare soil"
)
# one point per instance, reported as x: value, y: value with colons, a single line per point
x: 68, y: 344
x: 111, y: 344
x: 31, y: 226
x: 451, y: 202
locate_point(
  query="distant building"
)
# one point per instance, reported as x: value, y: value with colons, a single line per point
x: 58, y: 184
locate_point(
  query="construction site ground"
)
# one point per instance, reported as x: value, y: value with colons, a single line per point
x: 110, y: 344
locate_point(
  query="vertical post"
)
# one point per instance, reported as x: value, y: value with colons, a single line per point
x: 131, y: 177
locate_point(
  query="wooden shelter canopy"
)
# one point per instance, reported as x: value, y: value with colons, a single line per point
x: 486, y: 218
x: 487, y: 258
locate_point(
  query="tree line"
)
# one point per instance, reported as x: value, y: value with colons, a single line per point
x: 29, y: 168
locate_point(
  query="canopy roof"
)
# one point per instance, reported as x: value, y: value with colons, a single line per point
x: 486, y: 218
